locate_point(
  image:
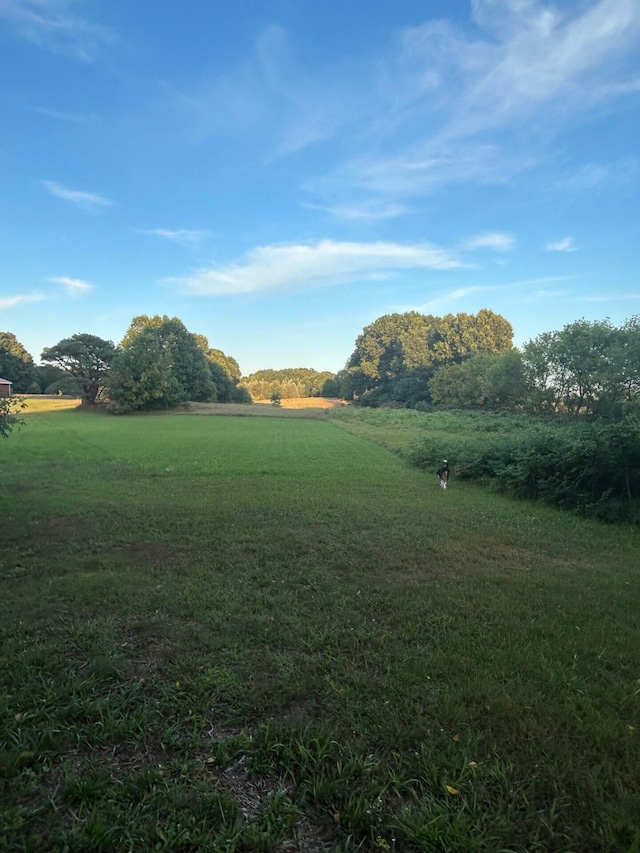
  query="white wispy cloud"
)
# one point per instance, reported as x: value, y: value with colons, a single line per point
x: 268, y: 91
x: 609, y: 297
x: 596, y: 177
x: 7, y: 302
x: 183, y: 236
x: 53, y: 25
x: 85, y: 200
x: 73, y: 286
x: 86, y: 119
x: 496, y: 240
x: 484, y: 106
x: 519, y: 285
x: 451, y: 296
x: 274, y: 269
x: 567, y: 244
x: 366, y: 211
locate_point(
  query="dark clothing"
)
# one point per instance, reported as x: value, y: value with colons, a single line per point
x: 443, y: 472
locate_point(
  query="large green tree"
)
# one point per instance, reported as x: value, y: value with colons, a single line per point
x: 492, y: 382
x: 585, y: 368
x: 86, y: 358
x: 17, y: 365
x: 225, y: 374
x: 627, y: 359
x: 159, y: 364
x: 396, y: 355
x: 454, y: 337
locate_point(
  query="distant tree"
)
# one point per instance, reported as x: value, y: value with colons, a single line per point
x: 17, y: 365
x: 396, y: 355
x: 225, y: 374
x: 455, y: 337
x: 226, y: 362
x: 53, y: 380
x: 492, y: 382
x: 142, y: 376
x: 9, y: 414
x: 330, y: 387
x: 288, y: 383
x: 159, y: 364
x: 626, y: 357
x: 537, y: 364
x: 86, y: 358
x: 585, y: 368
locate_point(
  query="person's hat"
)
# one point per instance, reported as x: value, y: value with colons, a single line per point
x: 444, y: 460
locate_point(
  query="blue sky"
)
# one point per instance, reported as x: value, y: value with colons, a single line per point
x: 280, y: 173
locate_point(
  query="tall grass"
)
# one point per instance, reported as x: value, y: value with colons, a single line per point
x: 271, y: 633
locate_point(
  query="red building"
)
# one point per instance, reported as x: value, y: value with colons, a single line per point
x: 5, y: 388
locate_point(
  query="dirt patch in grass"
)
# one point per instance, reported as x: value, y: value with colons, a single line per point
x: 153, y: 554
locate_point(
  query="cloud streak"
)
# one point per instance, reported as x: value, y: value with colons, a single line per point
x: 7, y: 302
x: 73, y: 286
x: 52, y: 25
x: 567, y: 244
x: 457, y: 108
x: 84, y: 200
x: 495, y: 240
x: 278, y: 269
x: 182, y: 236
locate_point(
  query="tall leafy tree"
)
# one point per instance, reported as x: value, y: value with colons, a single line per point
x: 388, y: 348
x: 493, y: 382
x: 142, y: 375
x: 86, y: 358
x: 225, y: 373
x: 159, y: 364
x: 585, y: 367
x: 16, y: 364
x: 627, y: 358
x: 396, y: 355
x: 457, y: 336
x: 226, y: 362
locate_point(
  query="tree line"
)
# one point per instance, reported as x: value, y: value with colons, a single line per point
x: 158, y: 364
x: 468, y: 361
x: 459, y: 361
x: 290, y: 383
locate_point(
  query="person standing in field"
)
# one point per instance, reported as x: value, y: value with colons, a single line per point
x: 443, y: 474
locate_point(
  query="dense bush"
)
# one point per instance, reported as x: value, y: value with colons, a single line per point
x: 593, y: 468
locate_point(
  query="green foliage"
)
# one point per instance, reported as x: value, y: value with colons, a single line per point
x: 491, y: 382
x: 225, y: 374
x: 10, y: 407
x: 396, y: 355
x: 86, y: 358
x: 16, y: 364
x: 585, y: 368
x: 592, y: 468
x: 52, y: 379
x: 159, y: 365
x: 228, y: 364
x: 289, y: 383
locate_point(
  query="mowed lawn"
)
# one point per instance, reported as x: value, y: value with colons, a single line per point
x: 271, y: 633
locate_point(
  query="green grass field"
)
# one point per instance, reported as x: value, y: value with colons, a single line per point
x: 273, y: 634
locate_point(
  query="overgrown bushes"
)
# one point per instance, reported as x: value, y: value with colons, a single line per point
x: 592, y: 468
